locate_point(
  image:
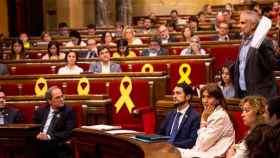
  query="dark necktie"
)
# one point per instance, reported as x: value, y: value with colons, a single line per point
x: 175, y: 127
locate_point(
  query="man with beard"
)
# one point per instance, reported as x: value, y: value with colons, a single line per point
x: 182, y: 123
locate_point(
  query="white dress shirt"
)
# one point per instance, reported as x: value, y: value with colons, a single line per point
x: 214, y: 139
x: 49, y: 119
x: 66, y: 70
x: 105, y: 68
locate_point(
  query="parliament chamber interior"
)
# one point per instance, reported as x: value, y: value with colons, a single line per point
x: 108, y: 78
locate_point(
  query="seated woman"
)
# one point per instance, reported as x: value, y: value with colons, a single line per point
x: 123, y: 50
x: 129, y: 35
x: 46, y: 38
x: 17, y: 50
x: 216, y: 133
x: 71, y: 66
x: 76, y: 40
x: 194, y: 48
x: 25, y: 39
x: 226, y: 82
x: 254, y: 112
x: 187, y: 34
x: 53, y: 52
x: 107, y: 39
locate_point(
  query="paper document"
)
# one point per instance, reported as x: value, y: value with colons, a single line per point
x: 121, y: 131
x: 261, y: 32
x: 102, y: 127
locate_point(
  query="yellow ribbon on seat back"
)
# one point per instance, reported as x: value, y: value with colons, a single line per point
x: 38, y: 90
x: 125, y: 98
x: 83, y: 90
x: 147, y: 66
x: 184, y: 76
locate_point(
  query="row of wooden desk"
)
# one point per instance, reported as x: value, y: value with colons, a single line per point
x: 19, y: 141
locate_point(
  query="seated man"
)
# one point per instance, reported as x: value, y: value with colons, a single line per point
x: 155, y: 48
x: 104, y: 65
x: 92, y: 50
x: 182, y: 123
x: 223, y: 32
x: 9, y: 114
x: 57, y: 122
x: 164, y: 35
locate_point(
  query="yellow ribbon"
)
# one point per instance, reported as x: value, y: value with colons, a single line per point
x: 38, y: 90
x: 184, y: 76
x: 147, y: 66
x: 125, y: 98
x: 83, y: 90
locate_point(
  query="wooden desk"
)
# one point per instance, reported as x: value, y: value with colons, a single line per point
x: 18, y: 140
x: 91, y: 143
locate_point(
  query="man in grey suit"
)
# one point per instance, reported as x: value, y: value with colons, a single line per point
x: 155, y: 48
x: 3, y: 69
x: 104, y: 65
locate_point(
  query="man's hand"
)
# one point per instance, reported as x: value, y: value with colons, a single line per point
x: 42, y: 136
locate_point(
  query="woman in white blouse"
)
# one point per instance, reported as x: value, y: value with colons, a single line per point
x: 216, y: 133
x: 194, y: 47
x: 254, y: 112
x: 71, y: 67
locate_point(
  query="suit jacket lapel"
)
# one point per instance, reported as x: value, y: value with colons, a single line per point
x: 45, y: 117
x: 173, y: 114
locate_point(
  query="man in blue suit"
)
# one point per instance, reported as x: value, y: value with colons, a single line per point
x: 182, y: 123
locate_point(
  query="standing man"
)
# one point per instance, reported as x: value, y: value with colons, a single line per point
x: 254, y: 67
x: 57, y: 122
x: 9, y: 114
x: 182, y: 123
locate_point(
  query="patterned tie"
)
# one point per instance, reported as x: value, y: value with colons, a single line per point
x: 175, y: 127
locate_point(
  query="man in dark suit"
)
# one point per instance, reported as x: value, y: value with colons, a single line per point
x: 92, y: 50
x: 223, y: 32
x: 104, y: 65
x: 164, y: 35
x: 254, y: 66
x: 182, y: 123
x: 9, y: 114
x: 57, y: 122
x: 155, y: 48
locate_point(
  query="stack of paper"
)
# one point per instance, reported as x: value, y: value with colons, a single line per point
x: 121, y: 131
x: 261, y: 32
x: 102, y: 127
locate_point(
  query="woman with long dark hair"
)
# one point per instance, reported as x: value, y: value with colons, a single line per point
x: 53, y: 52
x: 123, y: 50
x: 216, y: 133
x: 17, y: 50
